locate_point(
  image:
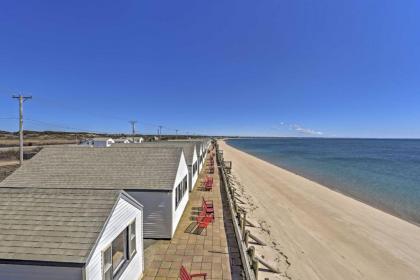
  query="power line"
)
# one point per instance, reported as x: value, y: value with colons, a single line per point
x: 57, y: 103
x: 61, y: 126
x: 8, y: 118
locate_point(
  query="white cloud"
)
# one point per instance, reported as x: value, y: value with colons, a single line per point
x: 305, y: 131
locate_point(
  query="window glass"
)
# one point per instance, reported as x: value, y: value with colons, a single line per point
x: 132, y: 238
x: 119, y: 254
x: 107, y: 264
x: 108, y: 275
x: 176, y: 196
x: 185, y: 184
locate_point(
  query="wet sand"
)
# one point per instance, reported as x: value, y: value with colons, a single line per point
x: 317, y: 233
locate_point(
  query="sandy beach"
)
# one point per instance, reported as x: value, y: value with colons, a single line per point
x: 317, y: 233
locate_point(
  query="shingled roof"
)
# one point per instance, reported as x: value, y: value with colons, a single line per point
x: 188, y: 147
x: 52, y: 225
x: 99, y: 168
x: 199, y: 143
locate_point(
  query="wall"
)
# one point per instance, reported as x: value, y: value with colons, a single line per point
x: 38, y: 272
x: 124, y: 213
x: 157, y: 205
x: 177, y: 213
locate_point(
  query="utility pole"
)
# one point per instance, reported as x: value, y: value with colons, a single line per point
x: 160, y: 131
x: 176, y: 133
x: 133, y: 127
x: 21, y: 100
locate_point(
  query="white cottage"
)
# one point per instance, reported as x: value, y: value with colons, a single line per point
x: 121, y: 141
x: 70, y: 234
x: 190, y: 152
x: 200, y: 148
x: 102, y: 142
x: 156, y: 177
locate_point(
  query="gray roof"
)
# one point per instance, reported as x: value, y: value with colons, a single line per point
x: 102, y: 138
x: 99, y: 168
x: 52, y: 225
x: 198, y: 143
x: 186, y: 146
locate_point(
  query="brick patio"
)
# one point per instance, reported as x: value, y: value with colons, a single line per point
x: 214, y: 251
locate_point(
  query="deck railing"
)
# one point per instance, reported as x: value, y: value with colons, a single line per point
x: 249, y: 261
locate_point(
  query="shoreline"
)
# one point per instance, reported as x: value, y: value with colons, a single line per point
x: 323, y: 233
x: 333, y: 188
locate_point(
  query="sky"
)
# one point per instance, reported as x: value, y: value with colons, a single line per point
x: 240, y: 67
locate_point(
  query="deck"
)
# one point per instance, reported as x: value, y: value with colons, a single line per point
x: 214, y: 252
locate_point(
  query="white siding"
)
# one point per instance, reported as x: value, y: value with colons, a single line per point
x: 38, y: 272
x: 177, y: 213
x: 124, y: 213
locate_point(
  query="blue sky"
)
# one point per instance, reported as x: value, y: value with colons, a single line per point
x: 238, y: 67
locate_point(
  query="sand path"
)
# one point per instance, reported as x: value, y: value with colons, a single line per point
x: 323, y: 234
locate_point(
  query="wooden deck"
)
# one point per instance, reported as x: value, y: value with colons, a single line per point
x: 214, y: 252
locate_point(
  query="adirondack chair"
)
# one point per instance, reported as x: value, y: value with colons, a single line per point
x: 207, y: 211
x: 204, y: 221
x: 184, y: 275
x: 208, y: 186
x: 208, y: 203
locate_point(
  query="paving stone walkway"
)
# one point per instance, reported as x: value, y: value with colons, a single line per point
x: 214, y: 251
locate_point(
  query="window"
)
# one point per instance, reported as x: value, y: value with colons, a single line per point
x: 185, y: 185
x: 180, y: 191
x: 119, y: 252
x: 194, y: 168
x: 178, y: 195
x: 107, y: 264
x: 122, y: 248
x: 132, y: 238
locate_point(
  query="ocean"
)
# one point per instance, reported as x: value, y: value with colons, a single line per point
x: 384, y: 173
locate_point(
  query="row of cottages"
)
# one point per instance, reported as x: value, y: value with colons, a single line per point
x: 202, y: 147
x: 191, y: 153
x: 149, y: 188
x: 108, y: 142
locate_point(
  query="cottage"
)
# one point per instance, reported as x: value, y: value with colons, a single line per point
x: 121, y: 141
x: 190, y: 152
x: 201, y: 148
x: 101, y: 142
x: 70, y: 234
x: 156, y: 177
x: 138, y: 140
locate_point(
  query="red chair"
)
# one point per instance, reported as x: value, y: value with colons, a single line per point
x: 208, y: 211
x: 204, y: 221
x: 208, y: 203
x: 184, y: 275
x: 209, y: 185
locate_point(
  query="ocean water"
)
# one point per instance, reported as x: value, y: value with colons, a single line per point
x: 384, y: 173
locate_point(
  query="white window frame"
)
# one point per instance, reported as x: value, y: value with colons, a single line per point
x: 129, y: 253
x: 107, y: 267
x: 132, y: 251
